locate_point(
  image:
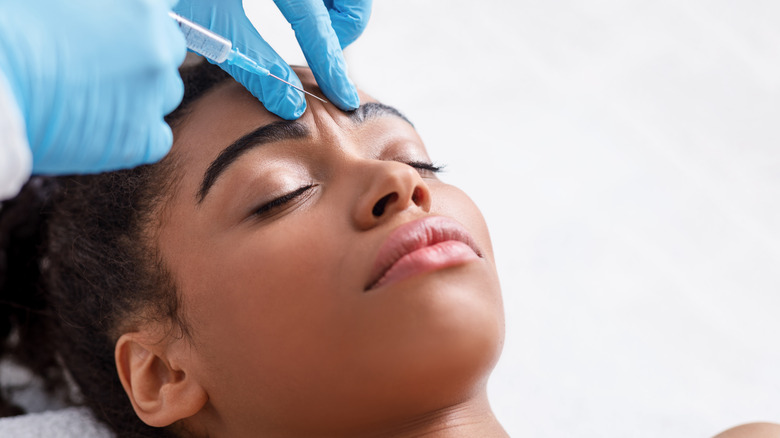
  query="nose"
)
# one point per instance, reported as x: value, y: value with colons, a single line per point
x: 391, y: 187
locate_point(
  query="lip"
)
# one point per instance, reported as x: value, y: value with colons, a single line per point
x: 422, y: 245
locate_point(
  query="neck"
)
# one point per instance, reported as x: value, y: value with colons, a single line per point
x: 468, y: 419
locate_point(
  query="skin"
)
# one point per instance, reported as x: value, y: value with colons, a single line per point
x: 284, y: 340
x: 752, y: 430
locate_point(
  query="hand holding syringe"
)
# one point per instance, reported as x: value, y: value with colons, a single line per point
x: 321, y: 30
x: 219, y: 49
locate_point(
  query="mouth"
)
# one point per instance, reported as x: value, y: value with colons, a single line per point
x: 420, y: 246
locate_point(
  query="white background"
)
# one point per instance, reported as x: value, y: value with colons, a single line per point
x: 625, y: 155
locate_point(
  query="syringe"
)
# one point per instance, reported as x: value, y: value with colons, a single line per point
x: 219, y: 49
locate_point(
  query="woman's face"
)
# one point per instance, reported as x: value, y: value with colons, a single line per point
x: 279, y: 238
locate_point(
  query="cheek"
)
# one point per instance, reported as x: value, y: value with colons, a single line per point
x: 262, y: 306
x: 273, y: 289
x: 262, y: 281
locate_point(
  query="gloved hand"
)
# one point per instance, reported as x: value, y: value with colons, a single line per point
x: 93, y: 79
x: 322, y: 27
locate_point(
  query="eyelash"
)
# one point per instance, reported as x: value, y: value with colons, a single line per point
x: 424, y: 166
x: 282, y: 200
x: 421, y: 166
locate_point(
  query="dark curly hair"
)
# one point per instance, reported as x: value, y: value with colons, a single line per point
x: 79, y: 266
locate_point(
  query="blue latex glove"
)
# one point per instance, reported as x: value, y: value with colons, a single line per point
x: 322, y: 28
x: 93, y: 79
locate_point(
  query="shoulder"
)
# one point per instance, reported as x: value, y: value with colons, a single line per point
x: 752, y: 430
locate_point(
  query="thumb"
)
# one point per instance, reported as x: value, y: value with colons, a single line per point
x: 349, y: 18
x: 311, y: 21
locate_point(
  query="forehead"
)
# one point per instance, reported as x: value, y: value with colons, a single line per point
x: 228, y: 111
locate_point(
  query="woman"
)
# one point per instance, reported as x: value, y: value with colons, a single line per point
x: 267, y: 278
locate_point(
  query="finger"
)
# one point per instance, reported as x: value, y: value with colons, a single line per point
x: 172, y: 90
x: 349, y: 18
x: 146, y: 142
x: 321, y: 47
x: 277, y: 97
x: 230, y: 21
x: 160, y: 142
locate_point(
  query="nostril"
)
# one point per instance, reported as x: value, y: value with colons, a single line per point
x: 417, y: 195
x: 379, y: 207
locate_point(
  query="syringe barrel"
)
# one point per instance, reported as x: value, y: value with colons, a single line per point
x: 203, y: 41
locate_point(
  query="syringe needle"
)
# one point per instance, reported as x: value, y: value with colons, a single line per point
x: 298, y: 88
x: 219, y: 49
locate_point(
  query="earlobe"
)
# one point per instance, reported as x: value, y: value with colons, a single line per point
x: 161, y: 393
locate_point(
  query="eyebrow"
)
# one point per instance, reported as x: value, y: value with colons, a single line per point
x: 281, y: 131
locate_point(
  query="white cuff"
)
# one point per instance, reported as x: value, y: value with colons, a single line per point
x: 15, y: 155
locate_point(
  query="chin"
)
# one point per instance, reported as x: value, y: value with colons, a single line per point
x: 457, y: 337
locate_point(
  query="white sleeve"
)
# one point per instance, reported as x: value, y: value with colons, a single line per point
x: 15, y: 156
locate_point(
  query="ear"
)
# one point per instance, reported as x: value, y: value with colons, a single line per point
x: 160, y: 391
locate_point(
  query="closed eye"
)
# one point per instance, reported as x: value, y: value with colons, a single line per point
x: 272, y: 206
x: 425, y: 167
